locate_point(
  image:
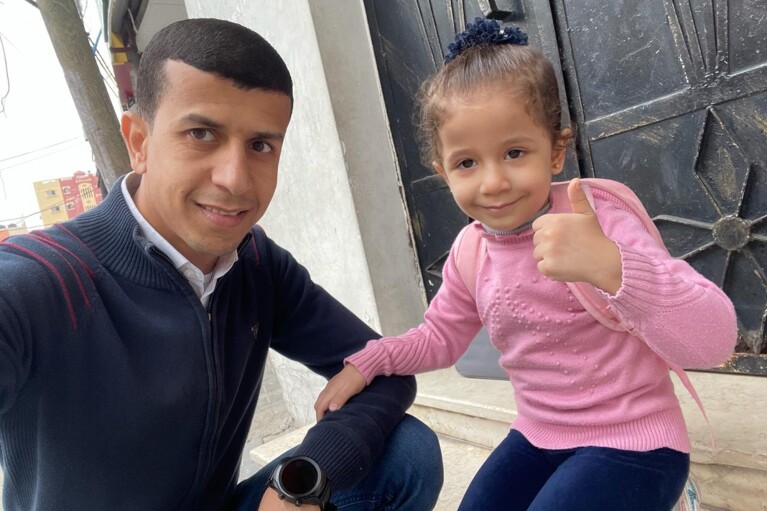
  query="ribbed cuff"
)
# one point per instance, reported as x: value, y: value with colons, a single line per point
x: 371, y: 361
x: 342, y: 460
x: 647, y: 286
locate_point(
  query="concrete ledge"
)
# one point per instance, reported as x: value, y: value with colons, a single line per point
x: 447, y: 389
x: 733, y: 474
x: 461, y: 463
x: 731, y: 488
x: 268, y: 451
x: 736, y: 406
x: 466, y: 409
x: 471, y: 430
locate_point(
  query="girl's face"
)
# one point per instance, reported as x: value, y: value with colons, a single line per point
x: 497, y: 160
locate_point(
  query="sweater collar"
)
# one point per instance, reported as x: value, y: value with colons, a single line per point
x: 113, y: 235
x: 522, y: 228
x: 203, y: 284
x: 524, y: 232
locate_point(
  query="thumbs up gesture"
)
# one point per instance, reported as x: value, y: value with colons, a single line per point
x: 571, y: 247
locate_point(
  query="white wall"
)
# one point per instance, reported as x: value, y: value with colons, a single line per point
x: 338, y: 206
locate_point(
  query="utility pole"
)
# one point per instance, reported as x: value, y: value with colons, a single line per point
x: 65, y: 28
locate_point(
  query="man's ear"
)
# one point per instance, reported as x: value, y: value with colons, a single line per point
x: 135, y: 132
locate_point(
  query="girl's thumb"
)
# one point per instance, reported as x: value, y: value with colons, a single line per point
x: 578, y: 200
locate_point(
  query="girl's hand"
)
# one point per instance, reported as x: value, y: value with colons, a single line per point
x: 571, y: 247
x: 342, y: 387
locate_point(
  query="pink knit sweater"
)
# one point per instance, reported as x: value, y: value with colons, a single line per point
x: 576, y: 381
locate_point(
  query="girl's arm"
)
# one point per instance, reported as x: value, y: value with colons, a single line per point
x: 681, y: 315
x: 450, y: 324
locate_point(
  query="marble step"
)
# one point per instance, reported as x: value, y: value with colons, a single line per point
x: 732, y: 473
x: 470, y: 410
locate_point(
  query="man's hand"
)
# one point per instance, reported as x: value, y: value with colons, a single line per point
x: 571, y: 247
x: 342, y: 387
x: 271, y: 502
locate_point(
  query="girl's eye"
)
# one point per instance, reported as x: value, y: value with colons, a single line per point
x: 514, y: 154
x: 202, y: 134
x: 466, y: 164
x: 261, y: 147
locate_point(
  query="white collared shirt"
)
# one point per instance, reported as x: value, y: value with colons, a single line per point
x: 203, y: 284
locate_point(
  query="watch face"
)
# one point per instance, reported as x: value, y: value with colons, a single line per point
x: 299, y: 477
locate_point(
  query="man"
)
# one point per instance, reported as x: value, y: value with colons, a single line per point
x: 134, y: 337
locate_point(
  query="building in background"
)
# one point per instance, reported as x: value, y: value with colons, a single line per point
x: 12, y: 228
x: 65, y: 198
x: 128, y: 27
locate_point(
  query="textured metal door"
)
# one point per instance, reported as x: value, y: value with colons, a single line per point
x: 669, y: 96
x: 409, y: 38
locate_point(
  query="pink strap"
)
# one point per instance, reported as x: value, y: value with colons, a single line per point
x: 468, y: 250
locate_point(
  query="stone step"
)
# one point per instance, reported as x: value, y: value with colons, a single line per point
x: 470, y: 410
x: 732, y: 474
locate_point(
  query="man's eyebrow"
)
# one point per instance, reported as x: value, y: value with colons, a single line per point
x: 268, y: 135
x: 201, y: 119
x: 210, y: 123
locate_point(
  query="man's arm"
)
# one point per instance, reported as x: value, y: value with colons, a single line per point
x: 23, y: 290
x: 313, y: 328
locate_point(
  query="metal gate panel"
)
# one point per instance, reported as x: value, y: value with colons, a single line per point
x: 409, y: 38
x: 672, y: 100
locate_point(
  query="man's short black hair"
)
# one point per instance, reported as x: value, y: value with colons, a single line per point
x: 220, y: 47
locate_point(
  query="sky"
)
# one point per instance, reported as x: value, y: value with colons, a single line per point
x: 41, y: 136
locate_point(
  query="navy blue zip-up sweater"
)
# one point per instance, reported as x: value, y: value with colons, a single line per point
x: 118, y: 390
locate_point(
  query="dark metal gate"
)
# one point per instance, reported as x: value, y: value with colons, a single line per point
x: 669, y: 96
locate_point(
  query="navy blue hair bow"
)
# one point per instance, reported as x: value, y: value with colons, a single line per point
x: 484, y: 32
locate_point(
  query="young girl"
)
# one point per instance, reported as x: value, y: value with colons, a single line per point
x: 598, y: 424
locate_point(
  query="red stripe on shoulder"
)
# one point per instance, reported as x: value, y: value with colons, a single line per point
x: 55, y: 272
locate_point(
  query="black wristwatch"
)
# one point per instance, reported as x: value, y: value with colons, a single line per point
x: 300, y: 480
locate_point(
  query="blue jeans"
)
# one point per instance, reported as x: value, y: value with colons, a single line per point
x: 406, y: 477
x: 518, y: 476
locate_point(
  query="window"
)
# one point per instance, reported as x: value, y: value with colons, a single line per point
x: 65, y: 190
x: 56, y: 209
x: 50, y: 193
x: 70, y: 206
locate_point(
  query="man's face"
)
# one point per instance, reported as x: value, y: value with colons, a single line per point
x: 208, y: 163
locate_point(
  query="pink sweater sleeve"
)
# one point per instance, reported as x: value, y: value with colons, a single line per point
x: 450, y: 324
x: 681, y: 315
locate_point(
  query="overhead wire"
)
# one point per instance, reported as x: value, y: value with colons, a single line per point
x: 7, y: 76
x: 24, y: 217
x: 39, y: 157
x: 39, y: 149
x: 110, y: 81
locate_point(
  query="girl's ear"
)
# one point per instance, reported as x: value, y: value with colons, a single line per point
x: 440, y: 169
x: 135, y: 131
x: 559, y: 150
